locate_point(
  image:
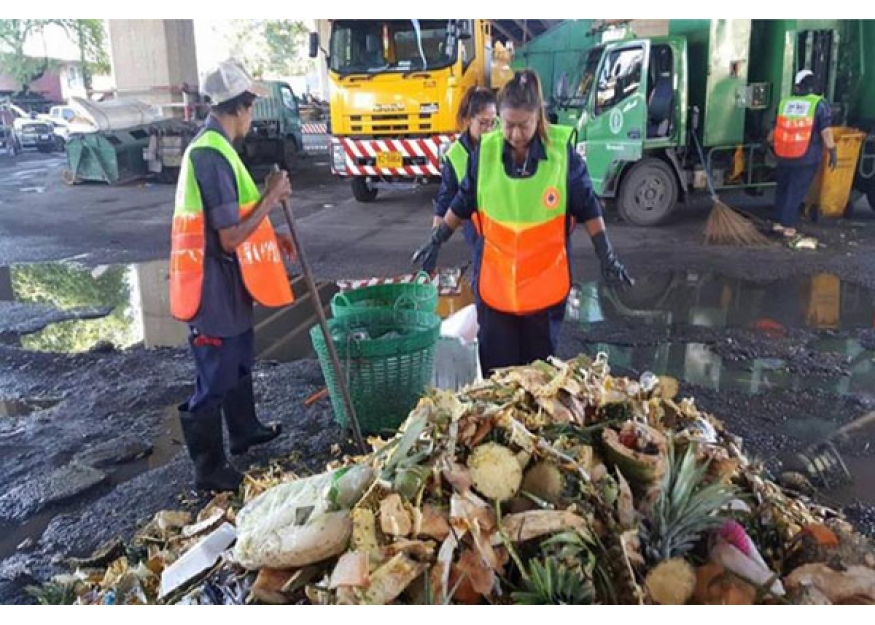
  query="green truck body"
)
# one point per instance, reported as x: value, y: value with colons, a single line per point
x: 632, y: 101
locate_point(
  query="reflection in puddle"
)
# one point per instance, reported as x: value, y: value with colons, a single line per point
x: 66, y: 286
x: 139, y: 301
x: 698, y: 364
x: 820, y: 303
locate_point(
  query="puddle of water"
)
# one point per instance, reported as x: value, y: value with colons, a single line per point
x: 697, y: 364
x: 862, y: 488
x: 138, y: 296
x: 14, y: 535
x: 21, y: 408
x: 818, y: 302
x: 164, y: 447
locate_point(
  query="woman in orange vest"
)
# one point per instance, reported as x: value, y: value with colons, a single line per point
x: 801, y: 132
x: 524, y: 188
x: 224, y: 256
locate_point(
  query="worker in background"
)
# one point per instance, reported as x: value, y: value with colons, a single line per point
x: 525, y: 187
x: 224, y: 255
x: 802, y: 129
x: 477, y: 115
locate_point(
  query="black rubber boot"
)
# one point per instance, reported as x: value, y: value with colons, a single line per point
x: 244, y: 428
x: 204, y: 440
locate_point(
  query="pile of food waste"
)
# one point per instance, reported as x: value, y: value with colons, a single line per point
x: 554, y: 483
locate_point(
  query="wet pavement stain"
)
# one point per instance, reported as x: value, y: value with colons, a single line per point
x: 22, y: 408
x: 139, y: 315
x: 118, y: 460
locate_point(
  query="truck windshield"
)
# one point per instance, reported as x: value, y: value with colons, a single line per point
x: 372, y: 46
x: 581, y: 96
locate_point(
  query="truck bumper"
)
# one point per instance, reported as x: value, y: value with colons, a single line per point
x: 420, y: 156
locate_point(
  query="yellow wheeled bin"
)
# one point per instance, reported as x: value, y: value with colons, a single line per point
x: 832, y: 188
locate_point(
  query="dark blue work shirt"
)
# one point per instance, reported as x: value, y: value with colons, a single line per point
x: 226, y: 306
x: 450, y: 187
x: 582, y: 203
x: 822, y: 121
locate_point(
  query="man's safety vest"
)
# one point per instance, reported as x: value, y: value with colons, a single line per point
x: 259, y: 256
x: 524, y: 267
x: 795, y: 125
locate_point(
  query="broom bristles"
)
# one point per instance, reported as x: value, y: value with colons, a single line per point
x: 727, y: 227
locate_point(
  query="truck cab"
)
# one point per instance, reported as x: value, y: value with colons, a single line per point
x: 396, y: 88
x: 630, y: 107
x: 276, y: 133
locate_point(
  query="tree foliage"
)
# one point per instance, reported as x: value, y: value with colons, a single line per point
x: 89, y: 35
x: 270, y: 47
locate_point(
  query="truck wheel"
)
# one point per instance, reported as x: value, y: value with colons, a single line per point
x: 362, y: 191
x: 648, y: 193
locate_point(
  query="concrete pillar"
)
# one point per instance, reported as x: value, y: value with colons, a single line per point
x: 153, y: 59
x: 323, y: 27
x: 159, y: 328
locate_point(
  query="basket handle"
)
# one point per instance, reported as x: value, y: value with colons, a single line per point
x: 422, y: 277
x: 402, y: 299
x: 340, y: 299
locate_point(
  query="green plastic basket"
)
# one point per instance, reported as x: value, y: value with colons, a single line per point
x: 386, y: 375
x: 419, y: 295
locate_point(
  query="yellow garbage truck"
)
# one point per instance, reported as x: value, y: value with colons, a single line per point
x: 395, y: 91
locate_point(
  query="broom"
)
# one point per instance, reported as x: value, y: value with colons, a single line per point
x: 725, y: 226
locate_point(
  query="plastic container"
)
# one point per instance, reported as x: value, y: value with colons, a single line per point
x: 831, y: 190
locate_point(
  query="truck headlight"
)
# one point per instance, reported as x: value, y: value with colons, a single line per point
x: 338, y: 157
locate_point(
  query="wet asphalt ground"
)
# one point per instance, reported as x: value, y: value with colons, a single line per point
x: 777, y: 343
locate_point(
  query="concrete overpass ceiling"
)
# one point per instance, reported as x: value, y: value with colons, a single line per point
x: 520, y: 31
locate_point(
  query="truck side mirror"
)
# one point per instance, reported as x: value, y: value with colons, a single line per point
x: 314, y: 45
x: 465, y: 29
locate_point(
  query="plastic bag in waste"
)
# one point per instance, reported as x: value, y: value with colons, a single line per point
x: 462, y: 324
x: 301, y: 522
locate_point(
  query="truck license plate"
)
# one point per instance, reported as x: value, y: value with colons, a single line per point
x: 391, y: 160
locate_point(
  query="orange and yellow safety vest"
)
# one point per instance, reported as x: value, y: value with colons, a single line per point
x: 261, y: 264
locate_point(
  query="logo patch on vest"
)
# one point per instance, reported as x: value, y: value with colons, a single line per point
x: 795, y: 108
x: 551, y: 198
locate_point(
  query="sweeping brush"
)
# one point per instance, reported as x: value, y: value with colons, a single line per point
x: 725, y: 226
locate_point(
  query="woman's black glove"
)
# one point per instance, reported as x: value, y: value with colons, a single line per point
x: 613, y: 270
x: 427, y: 254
